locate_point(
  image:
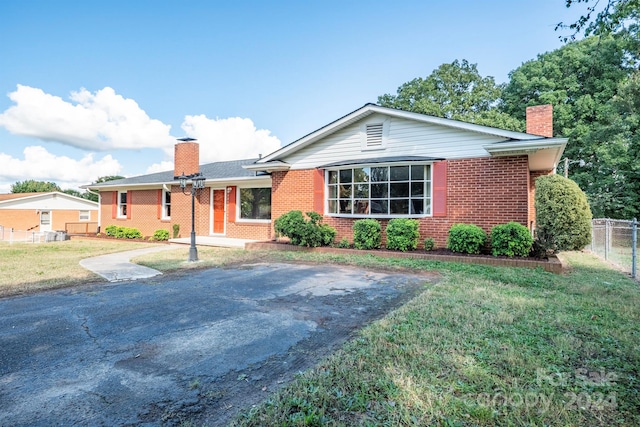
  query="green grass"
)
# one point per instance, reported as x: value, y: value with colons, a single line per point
x: 486, y: 346
x: 30, y: 267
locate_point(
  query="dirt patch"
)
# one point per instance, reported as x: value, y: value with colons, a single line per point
x: 226, y: 396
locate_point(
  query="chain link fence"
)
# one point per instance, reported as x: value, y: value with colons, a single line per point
x: 617, y: 242
x: 24, y: 236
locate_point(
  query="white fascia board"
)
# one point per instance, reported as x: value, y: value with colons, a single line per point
x: 141, y: 186
x: 523, y: 147
x: 371, y: 109
x: 268, y: 167
x: 158, y: 185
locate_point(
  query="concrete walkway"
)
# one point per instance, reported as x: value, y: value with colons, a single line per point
x: 117, y: 267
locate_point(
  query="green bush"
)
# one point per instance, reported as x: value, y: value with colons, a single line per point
x: 344, y: 243
x: 303, y: 232
x: 511, y: 239
x: 563, y: 216
x: 466, y: 238
x: 161, y: 235
x: 120, y: 232
x: 111, y: 230
x: 429, y: 244
x: 402, y: 234
x: 367, y: 234
x: 176, y: 230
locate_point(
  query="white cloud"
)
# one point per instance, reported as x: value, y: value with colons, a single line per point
x: 160, y: 167
x: 229, y: 139
x: 40, y: 165
x: 101, y: 121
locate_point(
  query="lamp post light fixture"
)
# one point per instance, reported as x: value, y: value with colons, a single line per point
x: 197, y: 184
x: 568, y: 161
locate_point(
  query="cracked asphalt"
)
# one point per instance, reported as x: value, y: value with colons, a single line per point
x: 197, y: 346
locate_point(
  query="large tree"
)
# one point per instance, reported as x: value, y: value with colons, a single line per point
x: 582, y: 80
x: 454, y: 91
x: 603, y: 17
x: 32, y: 186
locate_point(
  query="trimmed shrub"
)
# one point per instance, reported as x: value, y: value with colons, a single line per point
x: 563, y: 216
x: 111, y: 230
x: 303, y: 232
x: 429, y: 244
x: 120, y: 232
x: 161, y: 235
x: 176, y: 230
x: 511, y: 239
x: 402, y: 234
x: 466, y: 238
x: 367, y: 234
x: 344, y: 243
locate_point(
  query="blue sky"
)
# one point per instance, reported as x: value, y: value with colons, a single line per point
x: 92, y: 88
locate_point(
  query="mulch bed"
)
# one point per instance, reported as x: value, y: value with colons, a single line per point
x: 551, y: 264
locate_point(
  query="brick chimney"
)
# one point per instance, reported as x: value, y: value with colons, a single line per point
x: 186, y: 159
x: 540, y: 120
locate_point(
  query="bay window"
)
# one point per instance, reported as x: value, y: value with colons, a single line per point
x: 369, y: 191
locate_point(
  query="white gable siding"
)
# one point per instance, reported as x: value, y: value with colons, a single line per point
x: 406, y: 138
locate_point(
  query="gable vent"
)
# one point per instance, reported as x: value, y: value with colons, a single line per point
x: 374, y: 135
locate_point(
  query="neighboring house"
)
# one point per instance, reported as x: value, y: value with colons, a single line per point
x: 52, y: 211
x: 375, y: 162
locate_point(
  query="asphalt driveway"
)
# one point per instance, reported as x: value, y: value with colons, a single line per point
x: 197, y: 346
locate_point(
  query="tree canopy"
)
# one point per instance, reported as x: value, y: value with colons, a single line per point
x: 32, y: 186
x: 613, y: 16
x: 454, y: 91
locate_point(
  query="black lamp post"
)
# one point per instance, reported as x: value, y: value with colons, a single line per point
x: 197, y: 184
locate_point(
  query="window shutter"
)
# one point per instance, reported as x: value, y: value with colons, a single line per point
x: 159, y: 205
x: 231, y: 205
x: 318, y: 191
x: 374, y: 135
x: 114, y: 205
x: 440, y: 188
x: 129, y: 204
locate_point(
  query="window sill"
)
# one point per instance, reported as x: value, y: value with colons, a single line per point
x: 359, y: 216
x: 253, y: 221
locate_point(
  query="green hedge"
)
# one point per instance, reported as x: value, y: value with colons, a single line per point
x: 161, y: 235
x: 122, y: 232
x: 303, y: 232
x: 402, y: 234
x: 563, y: 216
x: 511, y: 239
x: 367, y: 234
x: 466, y: 238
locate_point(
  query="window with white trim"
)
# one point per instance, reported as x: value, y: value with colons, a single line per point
x: 122, y: 204
x: 371, y: 191
x: 84, y: 216
x: 166, y: 204
x: 255, y: 203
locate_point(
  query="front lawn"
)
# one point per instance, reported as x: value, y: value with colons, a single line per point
x: 486, y: 346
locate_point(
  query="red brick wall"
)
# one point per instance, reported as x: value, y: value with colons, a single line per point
x: 143, y: 211
x: 186, y: 158
x: 540, y: 120
x: 25, y: 219
x: 482, y: 191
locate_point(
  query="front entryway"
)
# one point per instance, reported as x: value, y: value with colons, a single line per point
x: 218, y: 202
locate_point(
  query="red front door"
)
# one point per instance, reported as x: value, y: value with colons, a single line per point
x: 218, y: 211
